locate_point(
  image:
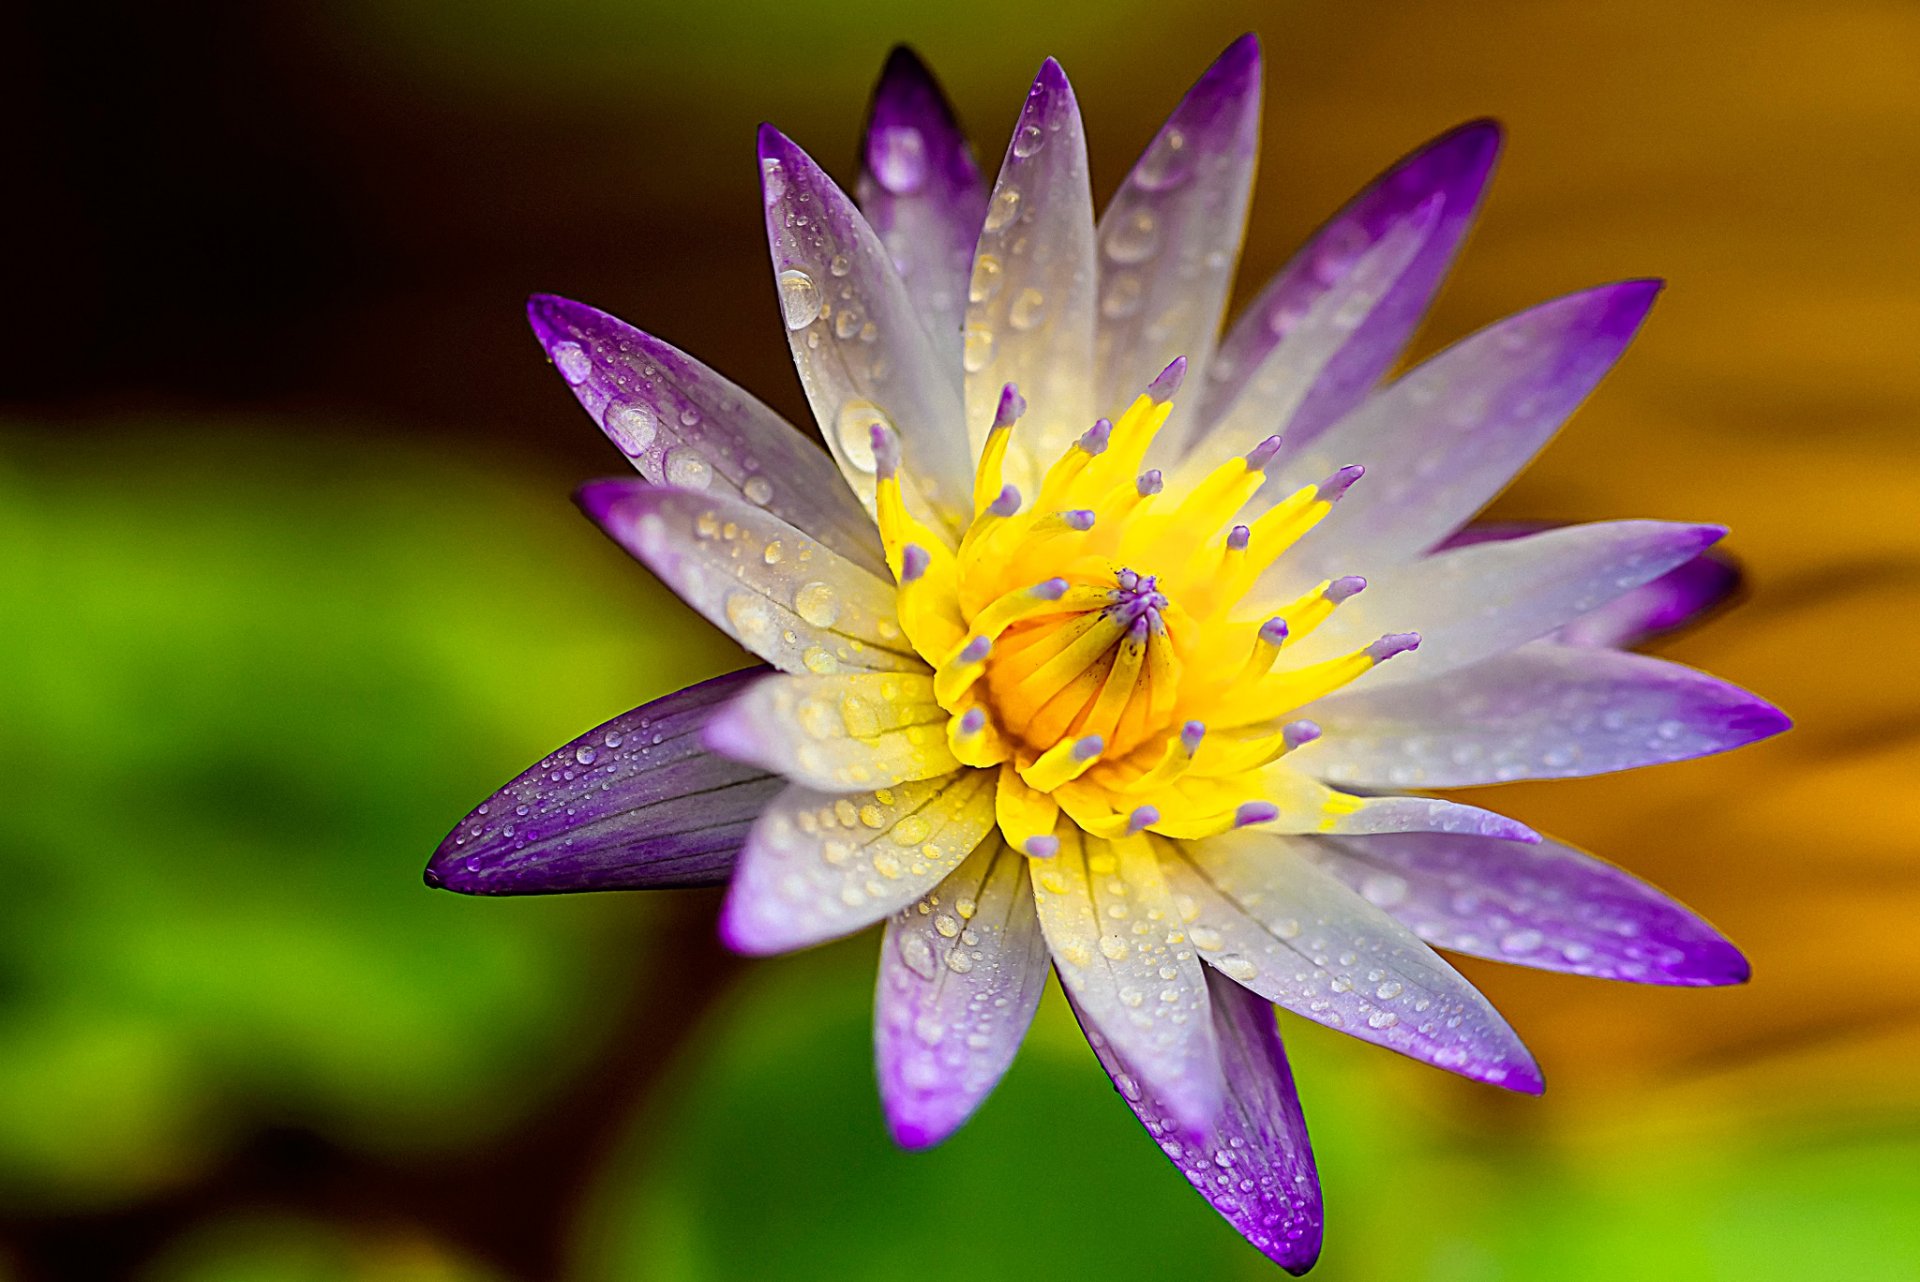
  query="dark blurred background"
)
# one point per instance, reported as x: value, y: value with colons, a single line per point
x: 290, y: 580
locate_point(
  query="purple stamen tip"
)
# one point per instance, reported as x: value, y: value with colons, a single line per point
x: 973, y: 721
x: 914, y: 561
x: 1043, y: 847
x: 1168, y: 380
x: 1088, y: 748
x: 1080, y: 519
x: 1344, y: 588
x: 1274, y: 631
x: 1012, y: 406
x: 1238, y: 538
x: 1262, y: 454
x: 1391, y: 644
x: 1051, y: 590
x: 1299, y: 733
x: 1191, y: 734
x: 1142, y: 818
x: 1340, y: 482
x: 976, y: 650
x: 1094, y: 440
x: 886, y: 450
x: 1255, y: 812
x: 1150, y: 482
x: 1007, y: 504
x: 1128, y: 580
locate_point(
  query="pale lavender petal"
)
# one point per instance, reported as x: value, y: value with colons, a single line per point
x: 961, y: 972
x: 1472, y: 603
x: 797, y: 604
x: 1143, y: 989
x: 1543, y: 711
x: 1030, y: 299
x: 847, y: 733
x: 1548, y: 906
x: 636, y: 804
x: 1454, y: 167
x: 1256, y: 1168
x: 1265, y: 916
x: 1290, y: 371
x: 864, y: 353
x: 820, y: 865
x: 1297, y: 804
x: 1441, y: 442
x: 922, y: 193
x: 684, y: 425
x: 1675, y: 600
x: 1171, y: 235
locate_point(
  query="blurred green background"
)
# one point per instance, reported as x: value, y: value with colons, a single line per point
x: 290, y: 580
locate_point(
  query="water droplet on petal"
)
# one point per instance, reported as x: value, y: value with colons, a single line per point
x: 858, y: 418
x: 687, y: 470
x: 632, y: 426
x: 1029, y: 140
x: 799, y: 298
x: 759, y: 491
x: 1004, y: 208
x: 572, y: 362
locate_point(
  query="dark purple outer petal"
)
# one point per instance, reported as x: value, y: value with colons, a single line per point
x: 1454, y: 166
x: 1548, y: 906
x: 635, y: 804
x: 1672, y: 601
x: 922, y: 192
x: 1257, y: 1168
x: 685, y: 426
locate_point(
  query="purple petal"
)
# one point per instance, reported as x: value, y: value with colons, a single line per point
x: 793, y: 602
x: 1455, y: 167
x: 961, y: 973
x: 1675, y: 600
x: 1544, y: 711
x: 864, y: 354
x: 636, y: 804
x: 1030, y: 298
x: 684, y: 425
x: 1548, y: 906
x: 1475, y: 602
x: 1256, y: 1168
x: 846, y: 733
x: 1171, y: 235
x: 1288, y: 374
x: 1273, y: 922
x: 818, y: 865
x: 1441, y: 442
x: 1143, y: 988
x: 922, y: 193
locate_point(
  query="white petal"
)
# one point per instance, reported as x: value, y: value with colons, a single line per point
x: 817, y: 866
x: 1030, y: 302
x: 1123, y: 955
x: 845, y: 733
x: 793, y: 602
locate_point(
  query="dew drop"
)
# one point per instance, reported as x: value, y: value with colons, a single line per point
x: 1004, y: 208
x: 688, y: 470
x: 799, y: 298
x: 1135, y: 239
x: 858, y: 418
x: 759, y: 491
x: 572, y: 362
x: 632, y: 426
x: 816, y: 604
x: 1168, y: 162
x: 976, y: 351
x: 1029, y: 140
x: 917, y: 954
x: 986, y: 279
x: 1028, y: 310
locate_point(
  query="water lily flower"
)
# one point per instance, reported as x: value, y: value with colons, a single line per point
x: 1107, y: 643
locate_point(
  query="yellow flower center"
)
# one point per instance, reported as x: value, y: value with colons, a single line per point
x: 1102, y: 645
